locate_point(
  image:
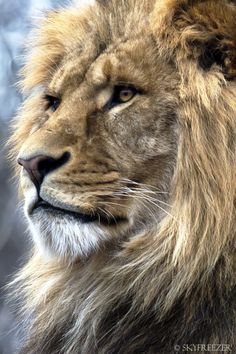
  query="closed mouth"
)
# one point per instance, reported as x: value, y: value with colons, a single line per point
x: 84, y: 218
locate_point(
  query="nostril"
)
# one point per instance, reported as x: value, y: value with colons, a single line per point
x: 52, y: 164
x: 39, y: 166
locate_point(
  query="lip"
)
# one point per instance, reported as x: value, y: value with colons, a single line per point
x: 81, y: 217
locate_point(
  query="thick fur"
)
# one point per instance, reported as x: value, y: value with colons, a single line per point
x: 168, y: 278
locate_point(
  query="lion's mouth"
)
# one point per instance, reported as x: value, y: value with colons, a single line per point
x: 84, y: 218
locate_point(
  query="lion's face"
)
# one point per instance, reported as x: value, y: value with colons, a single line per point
x: 104, y: 128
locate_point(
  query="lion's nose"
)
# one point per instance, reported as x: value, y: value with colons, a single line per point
x: 39, y: 166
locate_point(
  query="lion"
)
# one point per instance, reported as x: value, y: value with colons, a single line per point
x: 126, y: 150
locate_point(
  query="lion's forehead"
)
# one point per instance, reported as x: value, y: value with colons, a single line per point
x: 117, y: 62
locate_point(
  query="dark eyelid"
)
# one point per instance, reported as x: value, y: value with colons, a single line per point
x: 50, y: 98
x: 129, y: 85
x: 125, y: 86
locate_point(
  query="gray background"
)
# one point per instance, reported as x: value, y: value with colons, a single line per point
x: 16, y: 17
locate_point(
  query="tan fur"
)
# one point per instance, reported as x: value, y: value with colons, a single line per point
x: 172, y: 281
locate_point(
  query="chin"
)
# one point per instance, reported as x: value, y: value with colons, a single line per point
x: 69, y: 235
x: 64, y: 238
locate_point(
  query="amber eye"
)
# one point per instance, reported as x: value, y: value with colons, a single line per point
x: 52, y: 102
x: 126, y: 94
x: 122, y: 94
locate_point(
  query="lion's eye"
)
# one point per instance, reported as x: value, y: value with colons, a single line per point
x: 122, y: 94
x: 52, y: 102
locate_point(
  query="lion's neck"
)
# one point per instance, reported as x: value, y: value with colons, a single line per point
x: 96, y: 302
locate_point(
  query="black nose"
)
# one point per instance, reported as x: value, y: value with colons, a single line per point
x: 39, y: 166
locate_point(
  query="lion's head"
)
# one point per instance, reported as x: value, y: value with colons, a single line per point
x: 127, y: 145
x: 99, y: 147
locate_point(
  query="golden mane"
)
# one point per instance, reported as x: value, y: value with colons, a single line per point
x: 175, y: 284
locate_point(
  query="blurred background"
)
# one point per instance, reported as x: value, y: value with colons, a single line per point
x: 16, y: 18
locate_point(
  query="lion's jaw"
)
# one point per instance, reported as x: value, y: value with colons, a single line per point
x: 121, y: 157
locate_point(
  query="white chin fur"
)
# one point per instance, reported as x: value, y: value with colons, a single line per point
x: 66, y: 238
x: 62, y: 236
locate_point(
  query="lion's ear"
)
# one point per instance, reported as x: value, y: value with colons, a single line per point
x: 203, y: 31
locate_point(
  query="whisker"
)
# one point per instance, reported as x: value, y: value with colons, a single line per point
x: 144, y: 203
x: 113, y: 203
x: 127, y: 194
x: 147, y: 200
x: 154, y: 199
x: 148, y: 186
x: 107, y: 213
